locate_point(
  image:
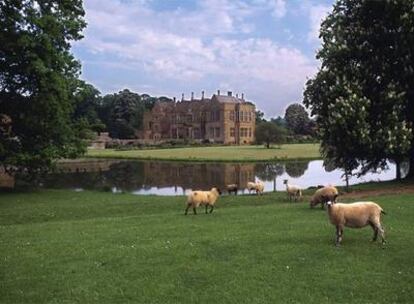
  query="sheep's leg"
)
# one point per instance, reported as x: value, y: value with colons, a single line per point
x: 206, y: 208
x: 375, y: 228
x: 339, y: 232
x: 186, y: 209
x: 212, y: 207
x: 378, y: 228
x: 194, y: 210
x: 382, y: 232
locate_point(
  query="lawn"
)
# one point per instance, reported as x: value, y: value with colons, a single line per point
x: 217, y: 153
x: 59, y: 246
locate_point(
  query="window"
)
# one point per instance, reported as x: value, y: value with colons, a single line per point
x: 250, y: 131
x: 232, y: 115
x: 196, y: 133
x: 250, y: 116
x: 232, y: 131
x: 217, y: 132
x: 211, y: 132
x: 241, y: 116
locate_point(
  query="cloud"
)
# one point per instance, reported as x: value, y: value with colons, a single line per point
x: 209, y: 46
x: 316, y: 15
x: 279, y: 8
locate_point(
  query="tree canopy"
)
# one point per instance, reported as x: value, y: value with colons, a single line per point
x: 363, y: 94
x: 123, y: 112
x: 38, y: 76
x: 296, y: 118
x: 268, y: 133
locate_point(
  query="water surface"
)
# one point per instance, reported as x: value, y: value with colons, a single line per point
x: 177, y: 178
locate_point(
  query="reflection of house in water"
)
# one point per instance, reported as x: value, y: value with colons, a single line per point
x: 197, y: 176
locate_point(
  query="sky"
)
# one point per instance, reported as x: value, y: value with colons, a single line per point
x: 262, y: 48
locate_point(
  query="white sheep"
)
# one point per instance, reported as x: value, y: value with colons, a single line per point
x: 292, y: 191
x: 256, y: 186
x: 203, y: 198
x: 356, y: 215
x: 324, y: 195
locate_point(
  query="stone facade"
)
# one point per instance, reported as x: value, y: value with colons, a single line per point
x: 221, y: 119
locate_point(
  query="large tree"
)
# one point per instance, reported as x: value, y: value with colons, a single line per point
x: 269, y: 133
x: 297, y: 119
x: 37, y: 81
x: 363, y: 94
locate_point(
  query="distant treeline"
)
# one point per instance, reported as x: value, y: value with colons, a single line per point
x: 120, y: 114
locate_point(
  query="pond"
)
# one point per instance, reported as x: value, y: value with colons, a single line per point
x: 177, y: 178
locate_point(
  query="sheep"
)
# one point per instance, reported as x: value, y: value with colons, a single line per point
x: 206, y: 198
x: 356, y: 215
x: 292, y: 191
x: 324, y: 195
x: 256, y: 186
x: 232, y: 188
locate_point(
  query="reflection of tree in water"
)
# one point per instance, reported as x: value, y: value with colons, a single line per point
x: 85, y: 180
x: 126, y: 176
x: 329, y: 165
x: 405, y: 168
x: 269, y: 172
x: 296, y: 168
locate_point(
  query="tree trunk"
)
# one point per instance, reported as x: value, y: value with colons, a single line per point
x: 347, y: 181
x: 398, y: 170
x: 410, y: 174
x: 268, y: 145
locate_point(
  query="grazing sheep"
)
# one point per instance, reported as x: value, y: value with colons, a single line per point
x: 232, y: 188
x: 292, y: 191
x: 204, y: 198
x: 355, y: 215
x: 256, y: 186
x: 324, y: 195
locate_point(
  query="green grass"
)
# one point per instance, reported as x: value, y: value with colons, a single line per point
x: 216, y: 153
x: 59, y: 246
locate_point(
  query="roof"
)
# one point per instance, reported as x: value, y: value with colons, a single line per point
x: 227, y: 99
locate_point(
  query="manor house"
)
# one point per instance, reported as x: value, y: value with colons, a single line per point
x: 224, y: 119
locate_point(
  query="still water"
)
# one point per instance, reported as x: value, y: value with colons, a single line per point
x: 177, y: 178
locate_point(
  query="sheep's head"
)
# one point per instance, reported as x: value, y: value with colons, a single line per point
x: 285, y: 181
x: 217, y: 189
x: 329, y: 203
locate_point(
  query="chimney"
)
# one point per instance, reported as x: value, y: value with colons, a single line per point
x: 182, y: 97
x: 192, y: 95
x: 229, y: 93
x: 237, y: 95
x: 202, y: 95
x: 174, y: 99
x: 218, y: 92
x: 243, y: 96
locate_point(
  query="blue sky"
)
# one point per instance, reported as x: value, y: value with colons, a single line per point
x: 262, y: 48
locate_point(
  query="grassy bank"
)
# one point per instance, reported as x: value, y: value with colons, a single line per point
x: 216, y: 153
x: 89, y: 247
